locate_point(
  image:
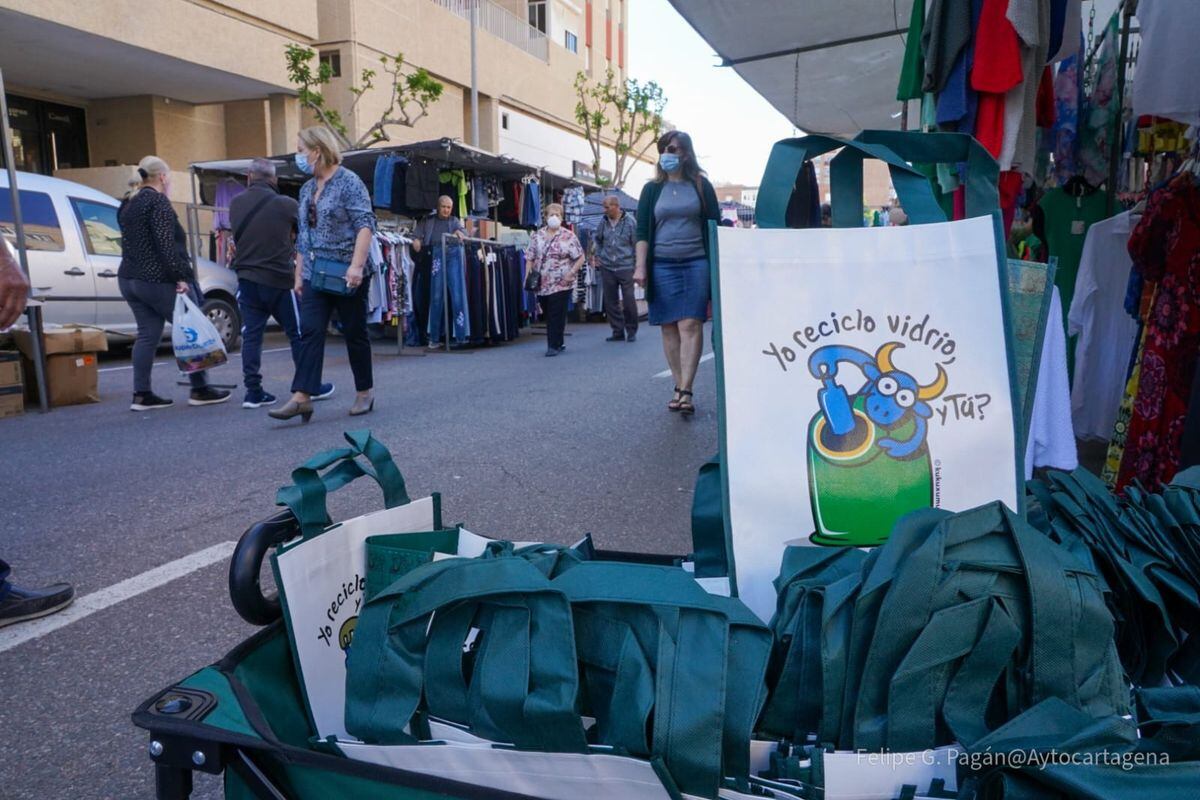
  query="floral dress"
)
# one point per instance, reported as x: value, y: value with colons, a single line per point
x: 555, y: 255
x: 1165, y: 247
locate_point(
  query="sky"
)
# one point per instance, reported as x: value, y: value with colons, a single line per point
x: 731, y: 125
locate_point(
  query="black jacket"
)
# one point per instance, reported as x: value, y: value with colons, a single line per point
x: 263, y: 250
x: 153, y: 244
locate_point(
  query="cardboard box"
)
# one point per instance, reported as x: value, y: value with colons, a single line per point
x: 12, y: 403
x: 63, y: 339
x: 71, y: 379
x: 10, y: 369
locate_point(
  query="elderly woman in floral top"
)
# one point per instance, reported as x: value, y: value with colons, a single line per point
x: 557, y: 254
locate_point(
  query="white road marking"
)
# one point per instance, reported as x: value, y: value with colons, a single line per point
x: 99, y: 600
x: 666, y: 373
x: 161, y: 363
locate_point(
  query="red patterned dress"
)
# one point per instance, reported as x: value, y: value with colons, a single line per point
x: 1165, y: 247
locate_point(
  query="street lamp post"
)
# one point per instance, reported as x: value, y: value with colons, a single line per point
x: 474, y: 76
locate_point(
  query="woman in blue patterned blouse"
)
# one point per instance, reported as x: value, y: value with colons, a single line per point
x: 336, y: 222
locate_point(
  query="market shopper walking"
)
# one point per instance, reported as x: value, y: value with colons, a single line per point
x: 264, y: 238
x: 555, y: 252
x: 336, y: 224
x: 673, y: 259
x: 154, y: 268
x: 616, y: 246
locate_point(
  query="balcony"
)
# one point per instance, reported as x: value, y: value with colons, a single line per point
x: 502, y: 24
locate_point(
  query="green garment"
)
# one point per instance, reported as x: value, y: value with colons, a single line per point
x: 1067, y: 221
x: 458, y: 179
x: 912, y: 73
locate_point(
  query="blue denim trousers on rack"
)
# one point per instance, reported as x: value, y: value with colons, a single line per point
x: 452, y: 271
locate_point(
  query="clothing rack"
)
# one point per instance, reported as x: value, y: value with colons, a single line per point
x: 491, y: 243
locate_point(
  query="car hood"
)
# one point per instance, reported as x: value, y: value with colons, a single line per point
x: 212, y: 276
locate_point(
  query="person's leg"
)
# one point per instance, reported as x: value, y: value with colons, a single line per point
x: 629, y: 307
x: 286, y: 311
x: 611, y: 282
x: 149, y: 332
x: 352, y: 311
x: 315, y: 310
x: 691, y: 345
x: 558, y: 322
x: 670, y: 337
x: 161, y: 296
x: 252, y: 301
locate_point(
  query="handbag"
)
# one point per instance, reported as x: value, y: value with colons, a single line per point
x: 533, y: 280
x: 329, y: 274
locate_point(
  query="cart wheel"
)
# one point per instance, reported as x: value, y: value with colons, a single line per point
x: 245, y: 567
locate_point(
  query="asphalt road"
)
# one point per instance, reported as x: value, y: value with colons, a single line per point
x: 521, y: 447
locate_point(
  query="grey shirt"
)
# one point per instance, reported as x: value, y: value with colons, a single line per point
x: 615, y: 242
x: 678, y: 228
x: 430, y: 230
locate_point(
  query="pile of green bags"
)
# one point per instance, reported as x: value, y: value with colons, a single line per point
x: 519, y: 645
x: 1147, y: 548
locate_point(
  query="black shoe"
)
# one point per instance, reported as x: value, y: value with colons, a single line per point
x: 551, y: 352
x: 208, y: 396
x: 616, y: 338
x: 149, y: 402
x: 22, y: 604
x: 631, y: 338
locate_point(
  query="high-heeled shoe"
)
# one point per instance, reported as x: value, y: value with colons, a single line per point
x: 362, y: 406
x: 293, y: 409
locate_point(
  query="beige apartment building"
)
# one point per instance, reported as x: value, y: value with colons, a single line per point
x: 93, y: 87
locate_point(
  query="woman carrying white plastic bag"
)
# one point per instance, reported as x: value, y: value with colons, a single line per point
x: 155, y: 268
x: 197, y: 342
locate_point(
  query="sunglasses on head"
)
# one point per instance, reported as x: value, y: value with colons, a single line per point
x: 312, y: 214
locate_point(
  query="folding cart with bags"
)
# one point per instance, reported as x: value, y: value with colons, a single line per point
x: 479, y: 668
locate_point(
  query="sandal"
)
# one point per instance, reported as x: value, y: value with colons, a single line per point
x: 685, y: 405
x: 676, y: 402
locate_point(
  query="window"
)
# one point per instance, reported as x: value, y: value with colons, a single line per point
x: 100, y: 226
x: 571, y: 42
x: 42, y: 231
x: 537, y: 14
x: 332, y: 58
x: 504, y: 120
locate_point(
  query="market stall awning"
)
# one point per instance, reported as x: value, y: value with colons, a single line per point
x: 829, y: 66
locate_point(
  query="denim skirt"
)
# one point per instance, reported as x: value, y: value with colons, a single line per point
x: 682, y: 290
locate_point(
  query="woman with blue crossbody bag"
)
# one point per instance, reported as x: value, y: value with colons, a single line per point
x: 332, y: 270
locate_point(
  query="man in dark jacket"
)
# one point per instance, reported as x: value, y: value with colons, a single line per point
x: 264, y: 238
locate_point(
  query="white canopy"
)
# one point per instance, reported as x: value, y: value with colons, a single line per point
x: 829, y: 66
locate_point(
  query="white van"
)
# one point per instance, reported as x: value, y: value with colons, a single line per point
x: 74, y: 248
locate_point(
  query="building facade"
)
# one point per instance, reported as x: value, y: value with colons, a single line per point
x: 93, y: 87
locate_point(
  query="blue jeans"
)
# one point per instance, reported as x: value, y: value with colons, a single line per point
x: 258, y: 304
x: 452, y: 271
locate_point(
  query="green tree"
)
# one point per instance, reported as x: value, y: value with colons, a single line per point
x: 412, y: 91
x: 627, y: 113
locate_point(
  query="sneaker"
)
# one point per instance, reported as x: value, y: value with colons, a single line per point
x: 562, y: 347
x: 208, y: 396
x: 616, y: 338
x: 149, y: 401
x: 257, y: 398
x: 22, y: 604
x: 551, y: 352
x: 326, y: 392
x: 631, y: 338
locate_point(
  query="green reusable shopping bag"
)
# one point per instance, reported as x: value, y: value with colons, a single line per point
x: 668, y: 670
x: 981, y: 601
x: 522, y: 685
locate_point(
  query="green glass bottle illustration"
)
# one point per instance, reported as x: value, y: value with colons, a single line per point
x: 868, y: 459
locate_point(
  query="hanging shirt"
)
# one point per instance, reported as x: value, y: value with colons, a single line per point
x: 1067, y: 221
x: 1051, y: 441
x: 995, y: 70
x: 1031, y: 20
x: 1168, y: 62
x: 1106, y: 333
x: 912, y: 72
x: 1070, y: 37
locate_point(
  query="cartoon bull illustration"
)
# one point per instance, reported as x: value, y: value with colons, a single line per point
x: 868, y: 459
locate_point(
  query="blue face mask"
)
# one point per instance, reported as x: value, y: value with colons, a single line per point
x: 669, y: 162
x: 303, y: 164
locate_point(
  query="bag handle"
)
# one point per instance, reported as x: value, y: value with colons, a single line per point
x: 983, y: 173
x: 387, y: 664
x: 307, y: 495
x: 788, y: 157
